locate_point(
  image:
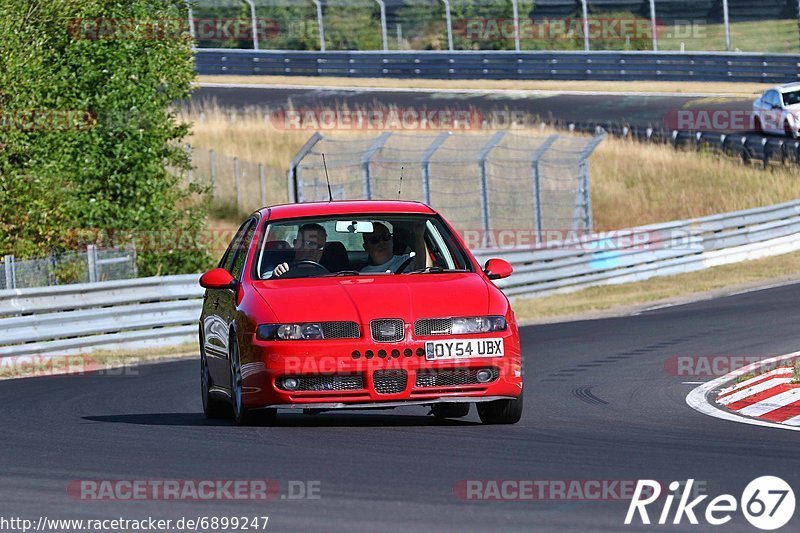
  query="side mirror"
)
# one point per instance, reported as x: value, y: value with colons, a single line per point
x: 218, y: 278
x: 497, y: 268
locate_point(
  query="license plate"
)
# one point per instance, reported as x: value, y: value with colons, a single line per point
x: 463, y: 349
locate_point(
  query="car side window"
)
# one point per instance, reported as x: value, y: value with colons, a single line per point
x: 230, y: 254
x: 773, y: 99
x: 241, y: 253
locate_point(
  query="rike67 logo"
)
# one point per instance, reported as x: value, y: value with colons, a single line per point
x: 767, y: 503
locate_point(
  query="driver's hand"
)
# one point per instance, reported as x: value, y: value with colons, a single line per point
x: 280, y: 270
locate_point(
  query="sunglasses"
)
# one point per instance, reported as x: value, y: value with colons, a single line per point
x: 375, y: 239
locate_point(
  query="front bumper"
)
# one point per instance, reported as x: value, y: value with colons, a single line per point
x: 397, y: 374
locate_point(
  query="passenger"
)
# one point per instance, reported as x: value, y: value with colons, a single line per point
x: 380, y: 246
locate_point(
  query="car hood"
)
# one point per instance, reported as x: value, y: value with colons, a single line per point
x: 365, y: 298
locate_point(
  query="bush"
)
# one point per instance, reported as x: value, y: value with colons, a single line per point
x: 87, y: 134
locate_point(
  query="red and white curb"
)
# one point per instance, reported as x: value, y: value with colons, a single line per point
x: 769, y: 399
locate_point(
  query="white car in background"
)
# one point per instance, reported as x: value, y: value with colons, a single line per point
x: 778, y: 110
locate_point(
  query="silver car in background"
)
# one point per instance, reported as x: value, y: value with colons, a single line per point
x: 778, y: 110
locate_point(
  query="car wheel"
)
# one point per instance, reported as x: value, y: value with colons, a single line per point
x: 212, y: 407
x: 241, y: 415
x: 787, y: 129
x: 450, y: 410
x: 501, y: 411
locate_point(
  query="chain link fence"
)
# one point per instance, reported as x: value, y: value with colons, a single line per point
x: 479, y: 182
x: 236, y: 186
x: 767, y: 26
x: 95, y: 264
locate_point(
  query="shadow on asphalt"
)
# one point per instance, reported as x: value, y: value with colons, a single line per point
x: 284, y: 420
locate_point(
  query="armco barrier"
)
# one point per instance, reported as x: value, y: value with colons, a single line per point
x: 550, y: 65
x: 136, y: 313
x: 659, y: 250
x: 162, y: 311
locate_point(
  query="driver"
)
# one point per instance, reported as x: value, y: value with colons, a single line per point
x: 308, y: 245
x: 380, y: 247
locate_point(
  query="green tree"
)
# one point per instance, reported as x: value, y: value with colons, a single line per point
x: 87, y: 130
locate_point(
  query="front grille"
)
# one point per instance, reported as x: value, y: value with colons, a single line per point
x: 387, y: 330
x: 390, y: 381
x: 433, y: 326
x: 340, y: 330
x: 327, y: 383
x: 452, y: 378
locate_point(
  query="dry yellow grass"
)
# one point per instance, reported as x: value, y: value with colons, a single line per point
x: 632, y: 183
x: 635, y: 184
x: 743, y: 89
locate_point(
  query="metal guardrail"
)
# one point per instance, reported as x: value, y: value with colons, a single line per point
x: 135, y: 313
x: 145, y: 312
x: 549, y: 65
x: 656, y: 250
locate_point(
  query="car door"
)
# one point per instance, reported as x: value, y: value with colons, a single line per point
x: 218, y: 308
x: 772, y: 113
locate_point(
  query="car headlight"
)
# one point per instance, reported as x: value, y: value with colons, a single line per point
x: 290, y: 332
x: 478, y: 324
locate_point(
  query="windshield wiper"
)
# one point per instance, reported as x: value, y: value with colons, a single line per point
x: 342, y: 273
x: 437, y: 269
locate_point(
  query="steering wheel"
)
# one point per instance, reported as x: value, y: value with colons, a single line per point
x: 404, y: 265
x: 301, y: 269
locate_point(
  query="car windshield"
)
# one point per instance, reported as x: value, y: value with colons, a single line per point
x: 357, y: 246
x: 791, y: 98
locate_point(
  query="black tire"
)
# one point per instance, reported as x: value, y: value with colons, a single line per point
x: 787, y: 129
x: 450, y: 410
x: 501, y: 411
x: 243, y: 416
x: 212, y: 407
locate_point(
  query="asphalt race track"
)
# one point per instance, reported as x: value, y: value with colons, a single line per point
x: 644, y: 110
x: 599, y: 406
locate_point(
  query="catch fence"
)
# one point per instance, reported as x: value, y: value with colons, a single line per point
x: 485, y: 182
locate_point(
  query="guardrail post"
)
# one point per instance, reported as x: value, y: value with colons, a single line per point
x: 537, y: 186
x: 254, y: 22
x: 727, y: 23
x: 484, y: 184
x: 365, y: 160
x: 212, y: 163
x: 262, y: 178
x: 384, y: 35
x: 585, y: 10
x: 320, y: 25
x: 426, y: 164
x: 190, y: 19
x: 653, y: 25
x: 449, y: 22
x: 515, y: 7
x: 11, y: 272
x: 91, y: 259
x: 236, y: 183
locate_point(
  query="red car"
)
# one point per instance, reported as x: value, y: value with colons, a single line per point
x: 356, y: 304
